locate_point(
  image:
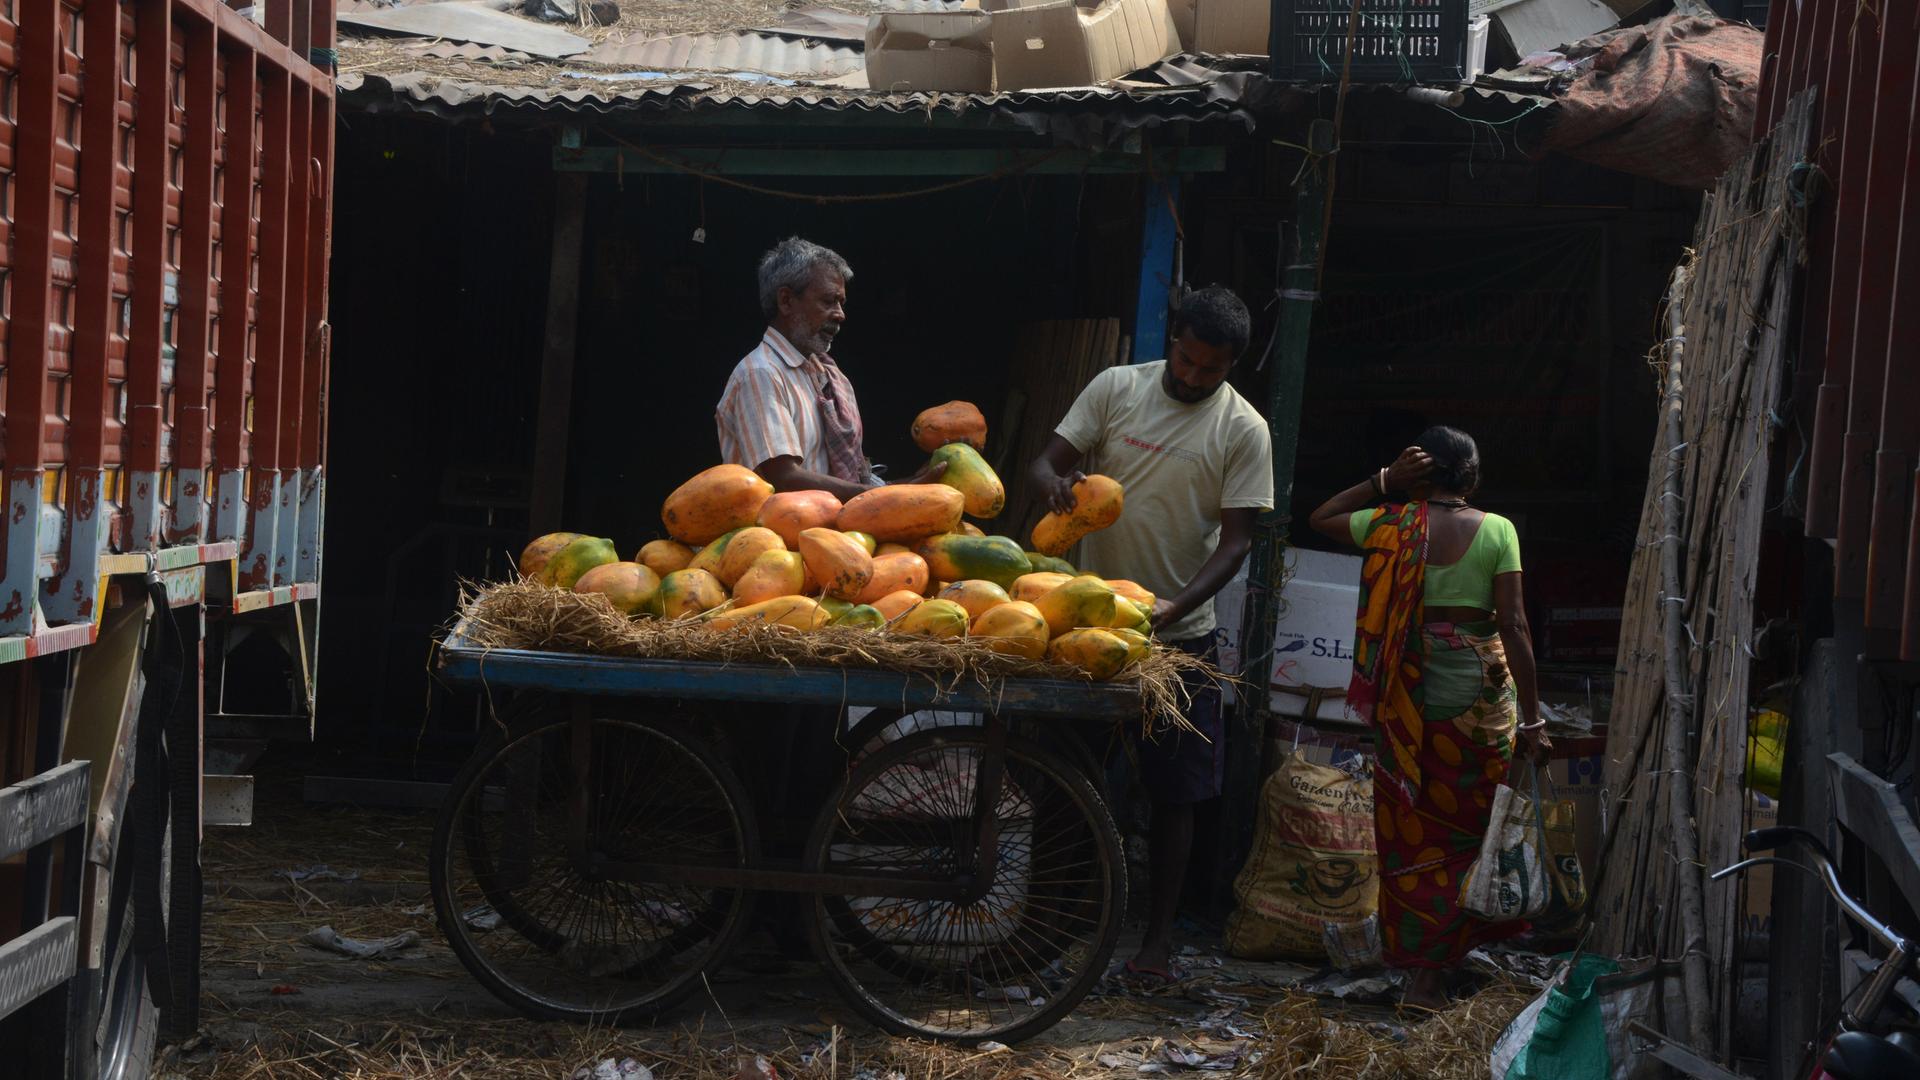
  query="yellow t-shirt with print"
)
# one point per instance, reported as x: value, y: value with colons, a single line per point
x: 1181, y: 464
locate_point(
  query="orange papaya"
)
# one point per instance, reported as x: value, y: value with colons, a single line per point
x: 534, y: 557
x: 1016, y: 628
x: 747, y: 545
x: 1099, y: 653
x: 688, y: 592
x: 895, y: 604
x: 719, y: 499
x: 1097, y: 502
x: 630, y: 586
x: 933, y: 618
x: 903, y: 511
x: 773, y: 574
x: 900, y: 572
x: 956, y: 421
x: 663, y: 557
x: 975, y: 595
x: 836, y: 561
x: 791, y: 513
x: 792, y: 612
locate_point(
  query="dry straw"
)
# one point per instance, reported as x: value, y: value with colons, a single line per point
x: 1451, y: 1044
x: 526, y: 615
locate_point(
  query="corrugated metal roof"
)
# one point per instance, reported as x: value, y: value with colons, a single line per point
x: 435, y: 93
x: 482, y: 54
x: 635, y: 67
x: 764, y: 53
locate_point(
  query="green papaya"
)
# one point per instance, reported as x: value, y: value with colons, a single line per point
x: 956, y: 557
x: 1050, y: 564
x: 578, y: 557
x: 970, y: 475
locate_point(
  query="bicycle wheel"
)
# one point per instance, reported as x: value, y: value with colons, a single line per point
x: 554, y: 938
x: 1005, y: 966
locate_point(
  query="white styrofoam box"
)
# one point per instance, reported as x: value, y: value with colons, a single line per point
x: 1313, y: 636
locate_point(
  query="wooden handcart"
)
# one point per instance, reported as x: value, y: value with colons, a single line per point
x: 599, y: 856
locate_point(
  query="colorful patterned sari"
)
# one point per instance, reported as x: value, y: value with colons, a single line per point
x: 1443, y: 709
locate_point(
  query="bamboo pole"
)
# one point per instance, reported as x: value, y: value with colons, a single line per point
x: 1686, y: 842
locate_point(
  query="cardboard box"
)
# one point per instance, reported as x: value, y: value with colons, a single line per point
x: 1232, y: 26
x: 943, y: 50
x: 1532, y: 26
x: 1062, y: 44
x: 1182, y: 12
x: 1313, y: 636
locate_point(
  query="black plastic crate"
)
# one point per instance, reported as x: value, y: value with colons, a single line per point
x: 1397, y: 41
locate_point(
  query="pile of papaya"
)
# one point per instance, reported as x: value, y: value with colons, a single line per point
x: 899, y: 559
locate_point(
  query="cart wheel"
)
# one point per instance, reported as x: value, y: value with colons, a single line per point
x: 1062, y: 738
x: 1006, y: 966
x: 553, y: 938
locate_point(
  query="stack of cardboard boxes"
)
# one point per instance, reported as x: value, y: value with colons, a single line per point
x: 1005, y: 45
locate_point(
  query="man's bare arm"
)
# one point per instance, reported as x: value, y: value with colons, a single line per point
x: 1236, y: 539
x: 1055, y: 472
x: 786, y: 473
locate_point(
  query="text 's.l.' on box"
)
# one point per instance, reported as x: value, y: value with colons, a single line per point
x: 1313, y: 636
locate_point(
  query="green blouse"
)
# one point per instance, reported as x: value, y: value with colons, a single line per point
x: 1495, y: 550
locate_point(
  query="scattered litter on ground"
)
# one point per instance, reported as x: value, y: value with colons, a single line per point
x: 609, y: 1069
x: 1371, y: 988
x: 318, y: 872
x: 326, y: 937
x: 482, y: 918
x: 1532, y: 968
x: 277, y: 1007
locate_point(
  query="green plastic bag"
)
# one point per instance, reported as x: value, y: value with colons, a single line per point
x: 1562, y: 1035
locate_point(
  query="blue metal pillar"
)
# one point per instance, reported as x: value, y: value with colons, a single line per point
x: 1159, y: 240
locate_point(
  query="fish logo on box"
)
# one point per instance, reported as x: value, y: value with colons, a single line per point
x: 1324, y: 647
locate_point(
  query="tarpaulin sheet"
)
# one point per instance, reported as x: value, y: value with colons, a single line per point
x: 1672, y: 100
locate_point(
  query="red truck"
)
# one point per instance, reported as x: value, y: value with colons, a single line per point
x: 165, y: 201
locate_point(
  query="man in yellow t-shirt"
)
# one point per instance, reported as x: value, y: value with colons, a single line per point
x: 1196, y: 461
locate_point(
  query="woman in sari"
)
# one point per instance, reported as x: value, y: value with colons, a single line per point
x: 1443, y: 671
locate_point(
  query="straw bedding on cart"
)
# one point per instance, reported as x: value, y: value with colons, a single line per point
x: 528, y: 615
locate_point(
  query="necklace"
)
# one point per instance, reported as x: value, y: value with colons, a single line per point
x: 1452, y: 504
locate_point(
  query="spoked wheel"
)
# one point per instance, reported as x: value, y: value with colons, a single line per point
x: 1005, y: 966
x: 1054, y: 734
x: 550, y: 934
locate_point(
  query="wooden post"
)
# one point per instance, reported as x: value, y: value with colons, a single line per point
x: 1686, y: 842
x: 1285, y: 385
x: 556, y: 359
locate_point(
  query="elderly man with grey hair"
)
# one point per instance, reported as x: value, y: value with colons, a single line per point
x: 789, y: 412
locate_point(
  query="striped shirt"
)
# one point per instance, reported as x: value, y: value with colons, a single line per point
x: 771, y: 406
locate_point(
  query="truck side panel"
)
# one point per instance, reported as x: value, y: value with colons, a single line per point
x: 165, y: 214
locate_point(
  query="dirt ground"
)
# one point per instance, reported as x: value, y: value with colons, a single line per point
x: 276, y: 1007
